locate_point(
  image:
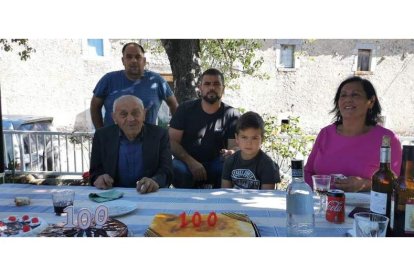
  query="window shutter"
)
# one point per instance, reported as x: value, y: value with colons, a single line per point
x: 96, y: 47
x: 364, y: 59
x: 287, y: 56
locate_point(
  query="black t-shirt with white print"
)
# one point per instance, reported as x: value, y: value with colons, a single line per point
x: 204, y: 135
x: 250, y: 174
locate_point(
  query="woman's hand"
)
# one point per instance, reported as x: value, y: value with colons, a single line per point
x: 353, y: 184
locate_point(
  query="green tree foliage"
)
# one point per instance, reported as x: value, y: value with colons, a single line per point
x: 285, y: 142
x: 24, y: 49
x: 234, y: 57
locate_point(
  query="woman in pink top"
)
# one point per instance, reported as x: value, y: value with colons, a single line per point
x: 351, y: 145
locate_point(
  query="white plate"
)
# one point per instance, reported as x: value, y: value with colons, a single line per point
x: 115, y: 208
x: 33, y: 232
x: 357, y: 199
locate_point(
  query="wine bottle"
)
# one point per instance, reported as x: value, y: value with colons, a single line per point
x: 402, y: 203
x: 382, y: 181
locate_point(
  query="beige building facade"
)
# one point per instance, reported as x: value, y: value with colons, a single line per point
x: 59, y: 78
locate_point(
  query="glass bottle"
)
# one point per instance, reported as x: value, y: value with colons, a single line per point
x: 300, y: 218
x: 382, y: 182
x: 402, y: 203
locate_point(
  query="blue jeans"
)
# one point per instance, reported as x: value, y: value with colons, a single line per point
x: 183, y: 178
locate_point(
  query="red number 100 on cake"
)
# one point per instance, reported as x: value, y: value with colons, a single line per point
x: 201, y: 225
x: 196, y: 219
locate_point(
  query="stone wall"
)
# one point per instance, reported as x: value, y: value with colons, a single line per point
x: 308, y: 91
x: 58, y: 81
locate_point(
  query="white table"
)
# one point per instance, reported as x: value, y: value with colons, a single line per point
x: 265, y: 208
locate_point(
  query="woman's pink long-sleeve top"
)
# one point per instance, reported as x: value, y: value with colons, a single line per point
x: 359, y: 155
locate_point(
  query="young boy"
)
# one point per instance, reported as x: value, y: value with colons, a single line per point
x: 250, y: 167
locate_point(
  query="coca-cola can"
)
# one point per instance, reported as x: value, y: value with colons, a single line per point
x: 335, y: 210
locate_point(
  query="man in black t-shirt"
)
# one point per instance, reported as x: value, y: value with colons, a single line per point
x: 201, y: 134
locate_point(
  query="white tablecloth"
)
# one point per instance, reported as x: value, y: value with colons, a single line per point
x: 265, y: 208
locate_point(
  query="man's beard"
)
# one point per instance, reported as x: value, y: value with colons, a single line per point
x: 211, y: 100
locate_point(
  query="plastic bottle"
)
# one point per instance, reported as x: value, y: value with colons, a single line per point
x: 300, y: 218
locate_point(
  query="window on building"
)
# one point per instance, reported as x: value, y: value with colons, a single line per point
x: 95, y: 47
x: 287, y: 56
x: 364, y: 60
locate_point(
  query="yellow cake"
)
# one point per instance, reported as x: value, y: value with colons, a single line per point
x: 226, y: 225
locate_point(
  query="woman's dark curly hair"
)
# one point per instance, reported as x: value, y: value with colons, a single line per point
x: 373, y: 114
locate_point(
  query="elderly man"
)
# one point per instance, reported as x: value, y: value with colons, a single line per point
x: 131, y: 153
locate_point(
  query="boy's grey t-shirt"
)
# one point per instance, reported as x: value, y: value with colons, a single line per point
x: 250, y: 174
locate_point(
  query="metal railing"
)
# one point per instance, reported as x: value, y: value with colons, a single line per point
x: 47, y: 152
x: 58, y: 153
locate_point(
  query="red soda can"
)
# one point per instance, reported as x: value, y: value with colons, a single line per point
x: 335, y: 210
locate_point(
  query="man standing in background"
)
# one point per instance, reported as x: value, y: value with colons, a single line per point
x: 149, y: 86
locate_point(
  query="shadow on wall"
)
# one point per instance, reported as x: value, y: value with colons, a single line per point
x: 83, y: 121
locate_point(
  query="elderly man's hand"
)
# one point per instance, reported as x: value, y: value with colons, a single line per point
x: 147, y: 185
x: 104, y: 181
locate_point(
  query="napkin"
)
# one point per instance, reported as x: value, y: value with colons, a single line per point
x: 357, y: 199
x: 105, y: 196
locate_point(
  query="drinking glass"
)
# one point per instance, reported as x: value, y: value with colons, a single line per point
x: 321, y: 184
x: 62, y: 199
x: 370, y: 225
